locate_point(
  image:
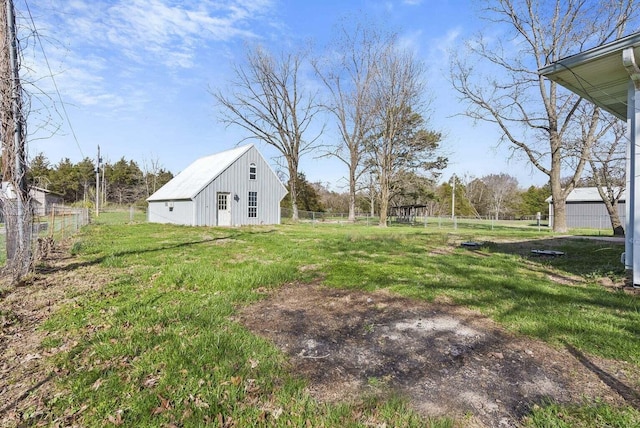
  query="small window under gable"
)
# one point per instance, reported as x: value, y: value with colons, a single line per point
x: 252, y: 171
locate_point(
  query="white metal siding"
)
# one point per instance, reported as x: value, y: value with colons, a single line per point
x: 590, y: 215
x: 161, y: 212
x: 235, y: 180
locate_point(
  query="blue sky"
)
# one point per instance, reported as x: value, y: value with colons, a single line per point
x: 135, y: 76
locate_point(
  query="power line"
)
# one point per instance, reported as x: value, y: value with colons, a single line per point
x: 582, y: 82
x: 55, y: 85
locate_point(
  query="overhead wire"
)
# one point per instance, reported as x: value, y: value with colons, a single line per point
x: 582, y: 81
x: 55, y: 85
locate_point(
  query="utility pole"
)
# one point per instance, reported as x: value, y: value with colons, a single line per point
x: 98, y: 161
x: 16, y: 192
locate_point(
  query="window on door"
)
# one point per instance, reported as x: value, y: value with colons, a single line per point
x: 222, y: 202
x: 253, y: 204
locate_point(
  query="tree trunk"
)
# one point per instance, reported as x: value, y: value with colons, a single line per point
x: 292, y: 164
x: 373, y: 206
x: 352, y: 194
x: 384, y: 200
x: 557, y: 192
x: 616, y: 224
x: 560, y: 215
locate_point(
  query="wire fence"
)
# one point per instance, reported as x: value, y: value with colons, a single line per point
x: 584, y: 224
x: 61, y: 222
x: 120, y: 215
x: 57, y: 224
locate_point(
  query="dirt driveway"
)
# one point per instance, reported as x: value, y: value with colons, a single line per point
x: 444, y: 359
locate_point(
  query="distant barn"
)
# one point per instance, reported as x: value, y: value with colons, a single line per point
x: 231, y: 188
x: 586, y: 209
x: 43, y: 200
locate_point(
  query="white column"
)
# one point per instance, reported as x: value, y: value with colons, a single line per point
x: 629, y: 200
x: 634, y: 189
x: 632, y: 232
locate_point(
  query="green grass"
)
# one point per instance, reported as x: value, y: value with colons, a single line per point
x: 158, y: 345
x: 593, y: 416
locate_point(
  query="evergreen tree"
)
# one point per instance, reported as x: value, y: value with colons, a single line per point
x: 308, y: 198
x: 533, y: 201
x: 40, y: 171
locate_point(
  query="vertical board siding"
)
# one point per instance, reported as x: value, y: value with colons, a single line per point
x: 202, y: 210
x: 592, y: 215
x: 235, y: 181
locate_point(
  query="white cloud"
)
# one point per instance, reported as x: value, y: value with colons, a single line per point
x: 410, y: 41
x: 109, y: 48
x: 441, y: 46
x: 160, y: 31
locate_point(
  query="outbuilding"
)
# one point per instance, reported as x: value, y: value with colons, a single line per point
x: 44, y: 200
x: 232, y: 188
x: 586, y: 209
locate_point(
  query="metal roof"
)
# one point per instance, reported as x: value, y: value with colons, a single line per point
x: 587, y: 194
x: 188, y: 183
x: 597, y: 74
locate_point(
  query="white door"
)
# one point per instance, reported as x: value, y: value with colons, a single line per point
x: 224, y: 210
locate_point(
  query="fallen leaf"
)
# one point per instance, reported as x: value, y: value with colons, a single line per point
x: 251, y: 386
x: 150, y: 382
x: 30, y: 357
x: 117, y: 419
x: 163, y: 407
x: 201, y: 404
x: 186, y: 414
x: 276, y: 413
x: 97, y: 384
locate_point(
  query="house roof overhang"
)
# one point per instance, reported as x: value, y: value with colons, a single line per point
x: 598, y: 75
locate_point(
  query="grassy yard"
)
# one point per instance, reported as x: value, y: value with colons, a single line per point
x: 157, y: 346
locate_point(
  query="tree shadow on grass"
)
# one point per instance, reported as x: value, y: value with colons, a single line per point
x: 47, y: 269
x: 631, y: 396
x: 582, y: 257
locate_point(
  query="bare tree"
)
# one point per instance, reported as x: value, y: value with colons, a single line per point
x: 399, y: 141
x: 268, y: 99
x: 151, y: 170
x: 535, y: 116
x: 349, y: 74
x: 608, y: 165
x: 501, y: 188
x: 477, y: 195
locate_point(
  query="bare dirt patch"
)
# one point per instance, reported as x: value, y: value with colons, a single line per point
x: 446, y: 360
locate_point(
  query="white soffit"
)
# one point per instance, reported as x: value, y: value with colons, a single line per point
x: 597, y: 74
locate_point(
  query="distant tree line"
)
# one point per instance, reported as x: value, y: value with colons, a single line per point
x: 121, y: 182
x: 492, y: 196
x: 124, y: 182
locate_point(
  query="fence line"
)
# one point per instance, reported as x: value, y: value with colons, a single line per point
x: 58, y: 223
x: 599, y: 223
